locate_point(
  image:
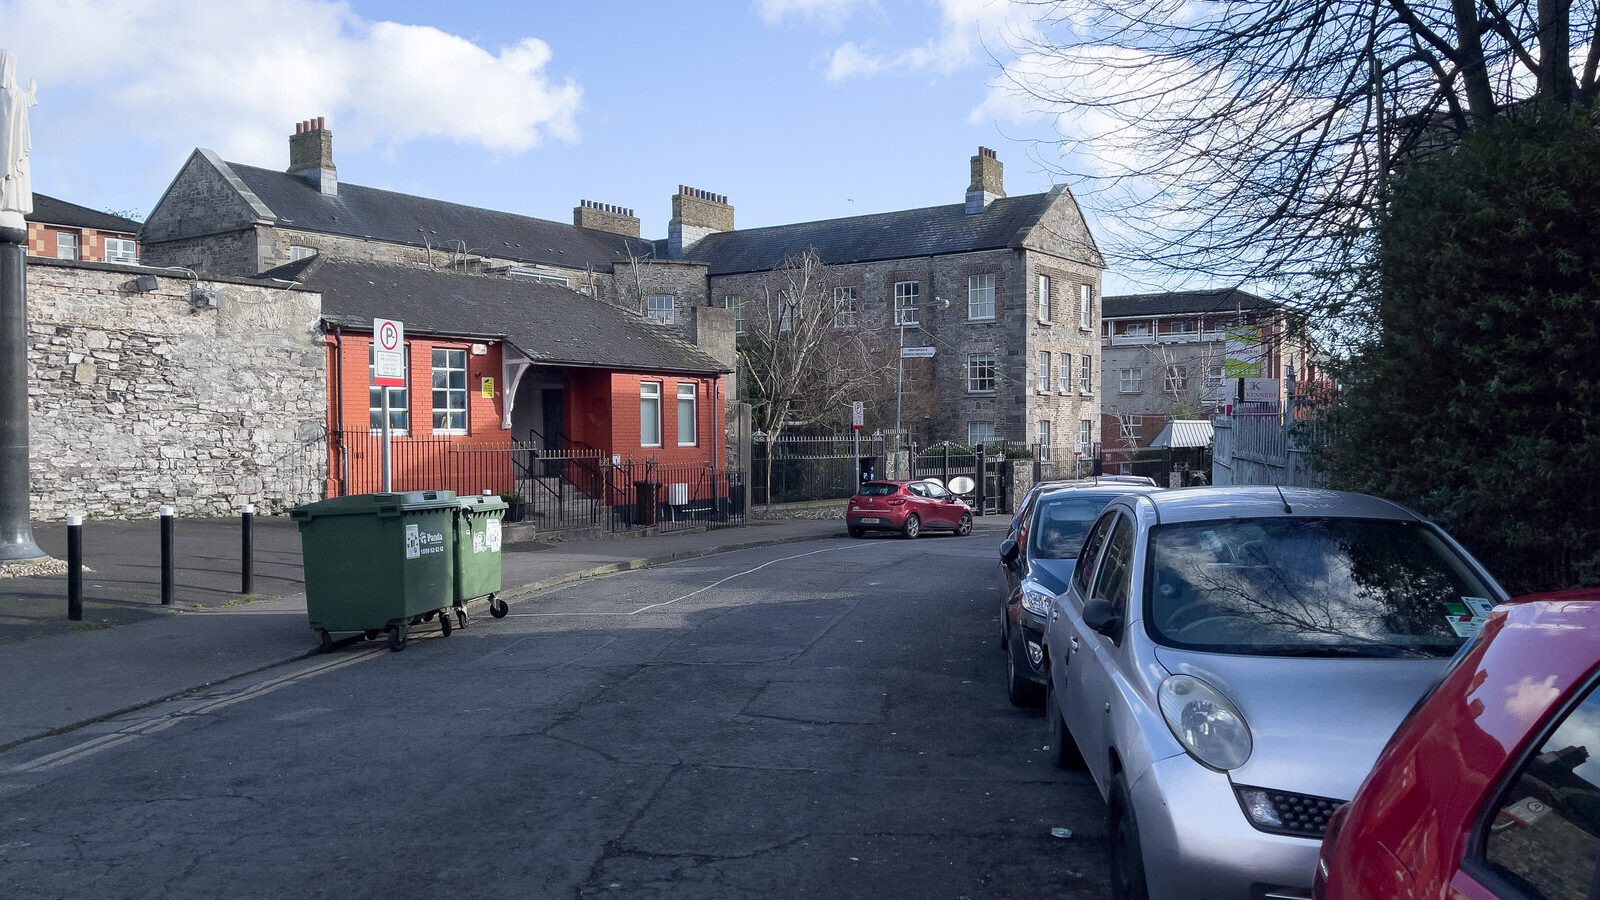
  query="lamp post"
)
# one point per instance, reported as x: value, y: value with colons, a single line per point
x: 938, y: 303
x: 16, y: 200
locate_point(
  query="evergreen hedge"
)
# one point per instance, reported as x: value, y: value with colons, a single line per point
x: 1478, y: 401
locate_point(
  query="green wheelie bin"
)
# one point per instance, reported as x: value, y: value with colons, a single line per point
x: 378, y: 563
x: 477, y: 556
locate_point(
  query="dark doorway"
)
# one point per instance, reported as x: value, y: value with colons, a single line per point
x: 554, y: 424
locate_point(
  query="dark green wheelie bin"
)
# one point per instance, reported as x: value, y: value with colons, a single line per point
x: 378, y: 563
x: 477, y: 556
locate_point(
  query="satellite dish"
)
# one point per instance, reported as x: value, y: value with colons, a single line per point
x: 961, y: 484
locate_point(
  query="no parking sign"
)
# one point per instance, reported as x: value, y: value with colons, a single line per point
x: 388, y: 353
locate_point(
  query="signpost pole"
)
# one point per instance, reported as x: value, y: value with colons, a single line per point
x: 388, y: 481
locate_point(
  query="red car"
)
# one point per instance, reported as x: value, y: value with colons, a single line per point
x: 909, y: 507
x: 1491, y: 787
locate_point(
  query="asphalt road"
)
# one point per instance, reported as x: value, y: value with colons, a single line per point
x: 825, y: 719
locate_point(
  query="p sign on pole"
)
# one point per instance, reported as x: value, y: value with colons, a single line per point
x: 388, y: 370
x: 858, y: 418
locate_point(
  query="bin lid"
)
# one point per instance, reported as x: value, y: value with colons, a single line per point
x: 481, y: 504
x: 375, y: 504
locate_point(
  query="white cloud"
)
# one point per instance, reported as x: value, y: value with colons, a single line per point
x: 830, y: 12
x: 236, y: 76
x: 967, y: 31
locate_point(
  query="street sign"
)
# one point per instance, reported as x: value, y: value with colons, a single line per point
x: 388, y: 353
x: 858, y: 415
x: 916, y: 352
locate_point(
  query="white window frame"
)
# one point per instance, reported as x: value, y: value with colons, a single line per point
x: 1130, y: 381
x: 120, y: 255
x: 692, y: 398
x: 1044, y: 371
x: 1136, y: 329
x: 981, y: 305
x: 1085, y: 436
x: 400, y: 405
x: 1044, y: 440
x: 661, y: 309
x: 298, y: 252
x: 1064, y: 380
x: 1086, y: 374
x: 786, y: 311
x: 1176, y: 380
x: 983, y: 428
x: 907, y: 294
x: 974, y: 362
x: 649, y: 393
x: 735, y: 302
x: 73, y: 240
x: 846, y: 309
x: 1044, y: 299
x: 1086, y: 307
x: 1128, y: 425
x: 544, y: 277
x: 1182, y: 326
x: 466, y: 400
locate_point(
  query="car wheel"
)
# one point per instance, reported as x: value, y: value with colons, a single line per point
x: 964, y: 527
x: 857, y: 532
x: 1019, y: 690
x: 1063, y: 747
x: 1122, y: 839
x: 913, y: 526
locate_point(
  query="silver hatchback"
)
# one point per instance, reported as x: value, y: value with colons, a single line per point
x: 1228, y: 662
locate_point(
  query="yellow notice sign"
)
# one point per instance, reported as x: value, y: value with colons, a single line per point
x: 488, y: 388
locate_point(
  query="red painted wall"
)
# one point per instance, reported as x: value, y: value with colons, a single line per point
x: 420, y: 458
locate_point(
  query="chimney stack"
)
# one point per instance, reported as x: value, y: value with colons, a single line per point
x: 311, y: 155
x: 695, y: 214
x: 988, y: 181
x: 605, y: 217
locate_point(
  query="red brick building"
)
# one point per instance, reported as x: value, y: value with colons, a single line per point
x: 510, y: 382
x: 61, y: 230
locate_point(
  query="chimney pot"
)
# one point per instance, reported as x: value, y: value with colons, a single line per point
x: 320, y: 126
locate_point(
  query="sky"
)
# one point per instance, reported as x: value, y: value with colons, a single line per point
x: 795, y: 109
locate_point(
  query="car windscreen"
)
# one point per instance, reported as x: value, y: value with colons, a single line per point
x: 878, y: 490
x: 1062, y: 522
x: 1310, y: 587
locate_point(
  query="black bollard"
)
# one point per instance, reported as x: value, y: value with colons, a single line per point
x: 166, y: 555
x: 75, y: 568
x: 246, y: 518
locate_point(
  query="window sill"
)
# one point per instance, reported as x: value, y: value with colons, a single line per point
x: 1086, y: 393
x: 650, y: 446
x: 682, y: 446
x: 983, y: 321
x: 450, y: 432
x: 980, y: 393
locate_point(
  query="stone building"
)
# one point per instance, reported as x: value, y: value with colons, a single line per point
x: 524, y: 330
x: 1004, y: 290
x: 61, y: 230
x: 1181, y: 355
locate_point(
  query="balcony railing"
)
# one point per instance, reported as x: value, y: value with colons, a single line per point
x: 1165, y: 337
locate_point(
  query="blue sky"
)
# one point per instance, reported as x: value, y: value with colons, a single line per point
x: 795, y: 109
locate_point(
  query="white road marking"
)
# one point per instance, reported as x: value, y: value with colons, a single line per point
x: 695, y: 592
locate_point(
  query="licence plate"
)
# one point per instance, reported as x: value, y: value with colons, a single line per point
x: 869, y: 521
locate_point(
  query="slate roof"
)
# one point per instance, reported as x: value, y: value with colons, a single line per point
x: 931, y: 231
x: 358, y: 211
x: 548, y: 323
x: 1175, y: 303
x: 51, y: 211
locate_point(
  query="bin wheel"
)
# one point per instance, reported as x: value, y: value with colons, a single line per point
x: 325, y: 641
x: 445, y: 625
x: 498, y: 608
x: 397, y: 637
x: 371, y: 634
x: 461, y: 617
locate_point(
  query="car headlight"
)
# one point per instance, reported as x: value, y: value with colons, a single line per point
x: 1037, y: 601
x: 1205, y: 722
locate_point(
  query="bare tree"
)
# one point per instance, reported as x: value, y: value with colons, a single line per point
x: 805, y: 355
x: 1250, y: 140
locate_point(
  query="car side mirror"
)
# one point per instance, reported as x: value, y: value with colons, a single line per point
x: 1009, y: 551
x: 1099, y: 615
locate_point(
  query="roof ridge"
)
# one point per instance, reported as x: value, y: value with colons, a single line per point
x: 891, y: 212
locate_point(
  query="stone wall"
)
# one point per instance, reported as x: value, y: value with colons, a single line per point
x: 137, y: 399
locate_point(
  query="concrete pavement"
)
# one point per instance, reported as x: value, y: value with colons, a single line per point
x: 73, y: 675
